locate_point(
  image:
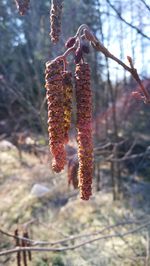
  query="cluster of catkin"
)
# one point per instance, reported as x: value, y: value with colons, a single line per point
x: 55, y: 19
x: 22, y: 6
x: 59, y: 96
x: 59, y: 101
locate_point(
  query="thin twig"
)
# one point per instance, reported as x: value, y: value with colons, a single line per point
x: 15, y: 250
x: 125, y: 158
x: 100, y: 47
x: 70, y: 238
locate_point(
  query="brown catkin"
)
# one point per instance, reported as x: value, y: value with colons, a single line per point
x: 24, y: 253
x: 84, y: 129
x: 18, y: 256
x: 68, y: 91
x: 55, y: 19
x: 26, y: 235
x: 22, y: 6
x: 55, y: 99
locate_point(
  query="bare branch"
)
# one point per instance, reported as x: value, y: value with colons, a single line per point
x: 146, y: 5
x: 70, y: 238
x: 15, y: 250
x: 125, y: 158
x: 126, y: 22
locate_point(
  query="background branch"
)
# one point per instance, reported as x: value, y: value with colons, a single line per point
x: 126, y: 22
x: 146, y: 5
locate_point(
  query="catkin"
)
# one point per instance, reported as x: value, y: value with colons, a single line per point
x: 84, y: 129
x: 22, y: 6
x: 18, y: 256
x: 55, y: 100
x: 26, y: 235
x: 68, y: 91
x: 24, y: 254
x: 55, y: 19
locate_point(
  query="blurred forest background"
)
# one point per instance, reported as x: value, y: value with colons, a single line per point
x: 30, y: 192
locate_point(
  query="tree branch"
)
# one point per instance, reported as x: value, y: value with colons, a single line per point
x: 101, y: 48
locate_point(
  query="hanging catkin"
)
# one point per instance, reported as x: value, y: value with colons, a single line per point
x: 55, y: 19
x: 55, y: 100
x: 22, y: 6
x: 67, y: 88
x: 18, y: 256
x: 24, y: 253
x: 26, y: 235
x: 84, y: 128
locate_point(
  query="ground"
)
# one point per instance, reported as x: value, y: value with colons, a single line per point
x: 59, y: 213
